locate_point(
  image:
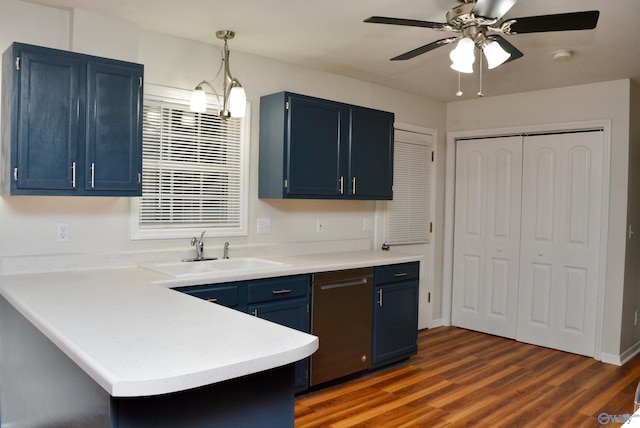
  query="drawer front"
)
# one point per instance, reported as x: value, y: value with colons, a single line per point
x: 395, y: 273
x: 287, y: 287
x: 226, y: 295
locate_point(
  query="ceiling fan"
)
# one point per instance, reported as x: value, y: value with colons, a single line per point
x: 480, y: 22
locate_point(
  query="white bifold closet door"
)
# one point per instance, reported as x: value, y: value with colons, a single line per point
x: 527, y: 238
x: 487, y: 235
x: 560, y: 240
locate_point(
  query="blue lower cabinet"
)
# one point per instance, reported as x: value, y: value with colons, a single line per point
x: 395, y: 313
x: 283, y: 300
x: 292, y: 313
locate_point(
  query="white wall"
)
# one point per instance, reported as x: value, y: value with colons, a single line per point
x: 630, y: 338
x: 101, y: 225
x: 609, y: 100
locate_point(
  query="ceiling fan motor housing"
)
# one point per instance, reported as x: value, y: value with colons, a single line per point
x: 462, y: 16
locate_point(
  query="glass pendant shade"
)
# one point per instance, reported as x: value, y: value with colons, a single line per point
x: 495, y: 54
x: 463, y: 56
x: 237, y: 101
x: 198, y: 100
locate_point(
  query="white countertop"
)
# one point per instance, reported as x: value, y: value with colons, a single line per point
x: 136, y: 337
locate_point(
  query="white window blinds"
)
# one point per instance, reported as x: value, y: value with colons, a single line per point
x: 408, y: 216
x: 192, y: 172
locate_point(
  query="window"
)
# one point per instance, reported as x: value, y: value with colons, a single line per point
x: 408, y: 215
x: 194, y: 170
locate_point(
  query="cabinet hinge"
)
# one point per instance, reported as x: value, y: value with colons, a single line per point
x: 430, y: 227
x: 18, y: 63
x: 15, y: 174
x: 286, y: 105
x: 286, y: 184
x: 429, y: 297
x: 433, y: 156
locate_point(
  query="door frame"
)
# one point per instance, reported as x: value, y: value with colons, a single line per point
x: 449, y: 205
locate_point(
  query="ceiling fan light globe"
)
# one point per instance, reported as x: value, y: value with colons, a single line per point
x: 198, y: 102
x: 464, y: 51
x: 495, y: 54
x: 463, y: 67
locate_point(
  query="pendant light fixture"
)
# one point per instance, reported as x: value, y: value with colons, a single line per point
x: 234, y: 99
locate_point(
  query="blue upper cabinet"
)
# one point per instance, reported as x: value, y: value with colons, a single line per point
x: 71, y: 124
x: 114, y: 132
x: 312, y: 148
x: 370, y: 154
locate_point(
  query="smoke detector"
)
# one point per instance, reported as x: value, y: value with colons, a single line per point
x: 562, y: 55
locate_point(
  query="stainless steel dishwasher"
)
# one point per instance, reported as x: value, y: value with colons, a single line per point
x: 341, y: 318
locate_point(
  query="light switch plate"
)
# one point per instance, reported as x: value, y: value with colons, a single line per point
x: 264, y: 226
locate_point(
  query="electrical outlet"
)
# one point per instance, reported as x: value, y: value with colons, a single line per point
x: 319, y: 226
x: 264, y: 226
x: 62, y: 232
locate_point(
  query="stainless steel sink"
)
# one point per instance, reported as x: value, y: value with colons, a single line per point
x: 211, y: 267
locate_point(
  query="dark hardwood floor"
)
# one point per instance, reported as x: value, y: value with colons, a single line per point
x: 461, y: 378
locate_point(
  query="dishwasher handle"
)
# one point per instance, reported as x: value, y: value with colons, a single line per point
x: 341, y: 284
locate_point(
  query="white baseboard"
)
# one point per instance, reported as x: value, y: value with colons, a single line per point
x: 626, y: 355
x: 436, y: 323
x: 610, y: 359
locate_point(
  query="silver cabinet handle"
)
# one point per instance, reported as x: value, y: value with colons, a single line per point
x: 341, y: 185
x: 93, y: 175
x: 380, y: 297
x: 400, y: 275
x: 214, y: 300
x: 353, y: 185
x: 73, y: 175
x: 283, y: 291
x: 255, y: 312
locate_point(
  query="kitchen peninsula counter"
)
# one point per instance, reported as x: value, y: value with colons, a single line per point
x: 136, y: 337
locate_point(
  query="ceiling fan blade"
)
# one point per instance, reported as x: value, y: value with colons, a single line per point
x: 515, y: 53
x: 558, y: 22
x: 407, y: 22
x: 424, y: 49
x: 494, y: 9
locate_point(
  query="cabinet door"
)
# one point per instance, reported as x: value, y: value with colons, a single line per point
x: 292, y: 313
x: 395, y: 322
x: 370, y: 154
x: 114, y: 131
x: 49, y: 120
x: 313, y: 159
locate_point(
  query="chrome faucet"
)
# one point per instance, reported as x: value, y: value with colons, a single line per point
x: 199, y: 244
x: 225, y: 251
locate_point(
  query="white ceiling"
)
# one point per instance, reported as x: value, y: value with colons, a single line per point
x: 330, y: 35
